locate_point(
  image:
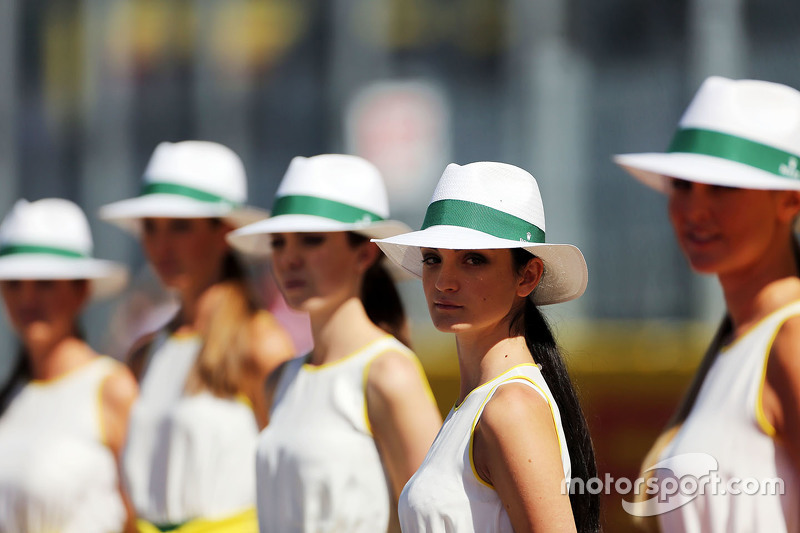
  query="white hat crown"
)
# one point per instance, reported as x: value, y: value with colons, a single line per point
x: 760, y: 111
x: 188, y: 179
x: 52, y: 224
x: 200, y: 169
x: 351, y: 187
x: 735, y: 133
x: 51, y: 239
x: 496, y: 198
x: 323, y: 193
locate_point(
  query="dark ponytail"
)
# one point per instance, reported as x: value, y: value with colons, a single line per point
x: 380, y: 297
x: 19, y: 375
x: 545, y: 352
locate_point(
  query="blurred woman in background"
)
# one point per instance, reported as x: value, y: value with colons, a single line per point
x: 65, y: 408
x: 188, y: 460
x: 516, y: 438
x: 350, y: 421
x: 732, y: 179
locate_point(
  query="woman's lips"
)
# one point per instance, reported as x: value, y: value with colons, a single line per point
x: 294, y: 284
x: 445, y: 305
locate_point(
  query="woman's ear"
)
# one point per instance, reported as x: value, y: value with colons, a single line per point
x: 530, y: 276
x: 368, y: 254
x: 84, y: 288
x: 789, y: 205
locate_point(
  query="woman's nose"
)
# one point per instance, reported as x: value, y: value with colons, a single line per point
x: 446, y: 279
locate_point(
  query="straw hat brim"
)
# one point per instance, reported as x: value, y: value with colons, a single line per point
x: 106, y: 278
x: 127, y: 214
x: 565, y: 272
x: 655, y: 169
x: 255, y: 238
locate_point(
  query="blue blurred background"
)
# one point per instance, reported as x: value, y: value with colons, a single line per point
x: 88, y: 88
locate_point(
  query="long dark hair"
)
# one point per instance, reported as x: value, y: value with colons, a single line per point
x: 545, y: 352
x: 20, y: 374
x: 380, y: 297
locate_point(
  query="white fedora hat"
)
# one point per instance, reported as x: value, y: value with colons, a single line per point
x: 488, y: 205
x: 735, y: 133
x: 188, y: 179
x: 328, y: 192
x: 50, y: 239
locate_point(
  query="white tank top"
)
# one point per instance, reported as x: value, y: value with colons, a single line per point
x: 56, y: 473
x: 728, y: 423
x: 446, y: 495
x: 318, y: 467
x: 187, y: 456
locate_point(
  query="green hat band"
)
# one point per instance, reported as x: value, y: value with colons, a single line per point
x: 321, y: 207
x: 481, y: 218
x: 15, y: 249
x: 732, y: 148
x: 183, y: 190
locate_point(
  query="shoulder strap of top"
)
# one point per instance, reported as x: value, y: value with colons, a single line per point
x: 383, y: 345
x: 525, y: 375
x: 785, y: 312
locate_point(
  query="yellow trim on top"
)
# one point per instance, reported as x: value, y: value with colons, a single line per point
x: 316, y: 368
x: 65, y: 375
x: 243, y: 399
x: 101, y: 426
x: 458, y: 405
x: 761, y: 416
x: 183, y: 335
x: 561, y: 445
x: 404, y: 350
x: 242, y: 522
x: 757, y: 324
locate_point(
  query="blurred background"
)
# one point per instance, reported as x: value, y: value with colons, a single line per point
x: 89, y: 88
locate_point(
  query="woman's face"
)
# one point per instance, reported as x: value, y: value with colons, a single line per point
x: 725, y: 230
x: 475, y: 290
x: 318, y: 270
x: 186, y: 253
x: 44, y: 310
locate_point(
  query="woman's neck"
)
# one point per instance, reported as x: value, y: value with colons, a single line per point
x: 483, y: 357
x: 52, y: 360
x: 769, y: 285
x: 340, y: 331
x: 185, y: 320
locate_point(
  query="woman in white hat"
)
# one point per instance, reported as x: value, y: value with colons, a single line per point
x: 350, y: 421
x: 732, y: 179
x: 515, y: 438
x: 188, y: 460
x: 59, y: 445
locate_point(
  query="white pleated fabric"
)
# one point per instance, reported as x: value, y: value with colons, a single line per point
x: 56, y: 473
x: 318, y: 467
x: 187, y: 456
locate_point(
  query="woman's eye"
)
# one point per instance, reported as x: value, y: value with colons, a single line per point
x: 148, y: 226
x: 313, y: 239
x: 181, y: 225
x: 475, y: 259
x: 277, y: 242
x: 430, y: 260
